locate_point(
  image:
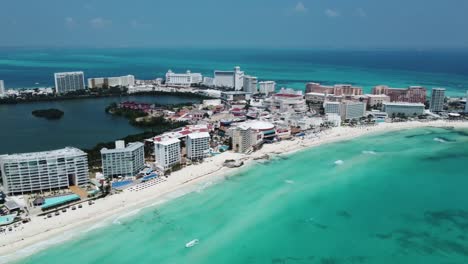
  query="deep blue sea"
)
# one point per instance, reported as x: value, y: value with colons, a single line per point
x: 21, y: 67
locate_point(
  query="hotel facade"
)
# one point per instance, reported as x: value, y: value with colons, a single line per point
x: 2, y: 88
x: 250, y: 84
x: 66, y: 82
x: 266, y: 87
x: 44, y: 171
x: 229, y: 79
x: 125, y: 161
x: 183, y: 79
x: 102, y: 82
x: 412, y: 94
x: 347, y: 110
x: 437, y: 100
x: 167, y: 153
x: 198, y: 145
x: 407, y: 109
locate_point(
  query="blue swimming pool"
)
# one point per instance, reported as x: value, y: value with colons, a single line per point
x: 121, y: 184
x: 55, y: 201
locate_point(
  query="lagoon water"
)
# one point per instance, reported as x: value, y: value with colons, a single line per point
x: 83, y: 125
x: 24, y: 67
x: 393, y: 198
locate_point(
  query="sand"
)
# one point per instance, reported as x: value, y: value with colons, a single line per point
x: 40, y: 232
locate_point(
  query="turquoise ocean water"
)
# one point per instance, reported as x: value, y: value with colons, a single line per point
x: 396, y: 198
x: 28, y: 67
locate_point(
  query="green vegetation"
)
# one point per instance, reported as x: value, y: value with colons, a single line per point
x: 49, y: 114
x: 131, y: 114
x: 91, y: 93
x: 155, y: 126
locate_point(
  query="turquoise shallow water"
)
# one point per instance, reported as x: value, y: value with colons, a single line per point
x: 396, y: 198
x: 21, y: 67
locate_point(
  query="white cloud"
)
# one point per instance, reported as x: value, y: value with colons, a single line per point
x: 332, y: 13
x: 360, y: 12
x: 70, y: 22
x: 100, y: 22
x: 300, y: 8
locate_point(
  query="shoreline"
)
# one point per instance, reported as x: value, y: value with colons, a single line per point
x: 51, y: 99
x: 42, y: 233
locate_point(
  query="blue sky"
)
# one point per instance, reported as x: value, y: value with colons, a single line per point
x: 236, y: 23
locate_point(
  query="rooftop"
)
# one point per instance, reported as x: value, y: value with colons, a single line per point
x: 68, y: 151
x: 199, y: 135
x: 403, y: 104
x: 130, y: 147
x: 168, y: 141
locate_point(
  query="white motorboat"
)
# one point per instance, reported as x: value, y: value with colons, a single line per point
x: 191, y: 243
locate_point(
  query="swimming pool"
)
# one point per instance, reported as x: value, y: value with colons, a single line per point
x: 54, y: 201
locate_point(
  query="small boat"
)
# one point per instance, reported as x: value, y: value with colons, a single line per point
x: 191, y: 243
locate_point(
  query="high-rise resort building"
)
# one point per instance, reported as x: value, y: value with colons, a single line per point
x: 183, y: 79
x: 229, y: 79
x: 68, y: 82
x: 106, y: 82
x: 250, y: 84
x: 466, y: 102
x: 2, y: 88
x: 44, y: 171
x: 337, y: 90
x: 243, y: 138
x: 437, y: 100
x: 167, y: 152
x: 412, y: 94
x: 347, y: 110
x: 198, y: 145
x: 407, y: 109
x: 125, y: 161
x: 266, y: 87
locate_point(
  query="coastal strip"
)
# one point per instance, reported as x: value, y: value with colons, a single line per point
x: 28, y: 241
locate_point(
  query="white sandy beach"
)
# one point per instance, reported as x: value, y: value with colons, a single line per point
x: 28, y: 239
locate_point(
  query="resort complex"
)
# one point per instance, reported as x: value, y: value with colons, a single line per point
x: 239, y: 118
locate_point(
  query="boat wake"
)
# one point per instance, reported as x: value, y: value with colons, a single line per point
x: 439, y: 140
x: 369, y: 152
x: 289, y: 181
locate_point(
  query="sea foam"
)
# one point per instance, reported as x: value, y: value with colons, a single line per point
x: 369, y: 152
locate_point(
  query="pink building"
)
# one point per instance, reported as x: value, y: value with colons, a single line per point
x: 412, y: 94
x: 337, y: 89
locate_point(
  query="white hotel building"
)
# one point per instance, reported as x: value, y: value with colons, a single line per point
x: 2, y: 88
x: 101, y: 82
x: 266, y: 87
x: 125, y: 161
x: 69, y: 82
x: 407, y: 109
x: 183, y: 79
x: 198, y: 145
x: 167, y: 152
x: 229, y: 79
x: 44, y: 171
x: 250, y: 84
x: 347, y: 110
